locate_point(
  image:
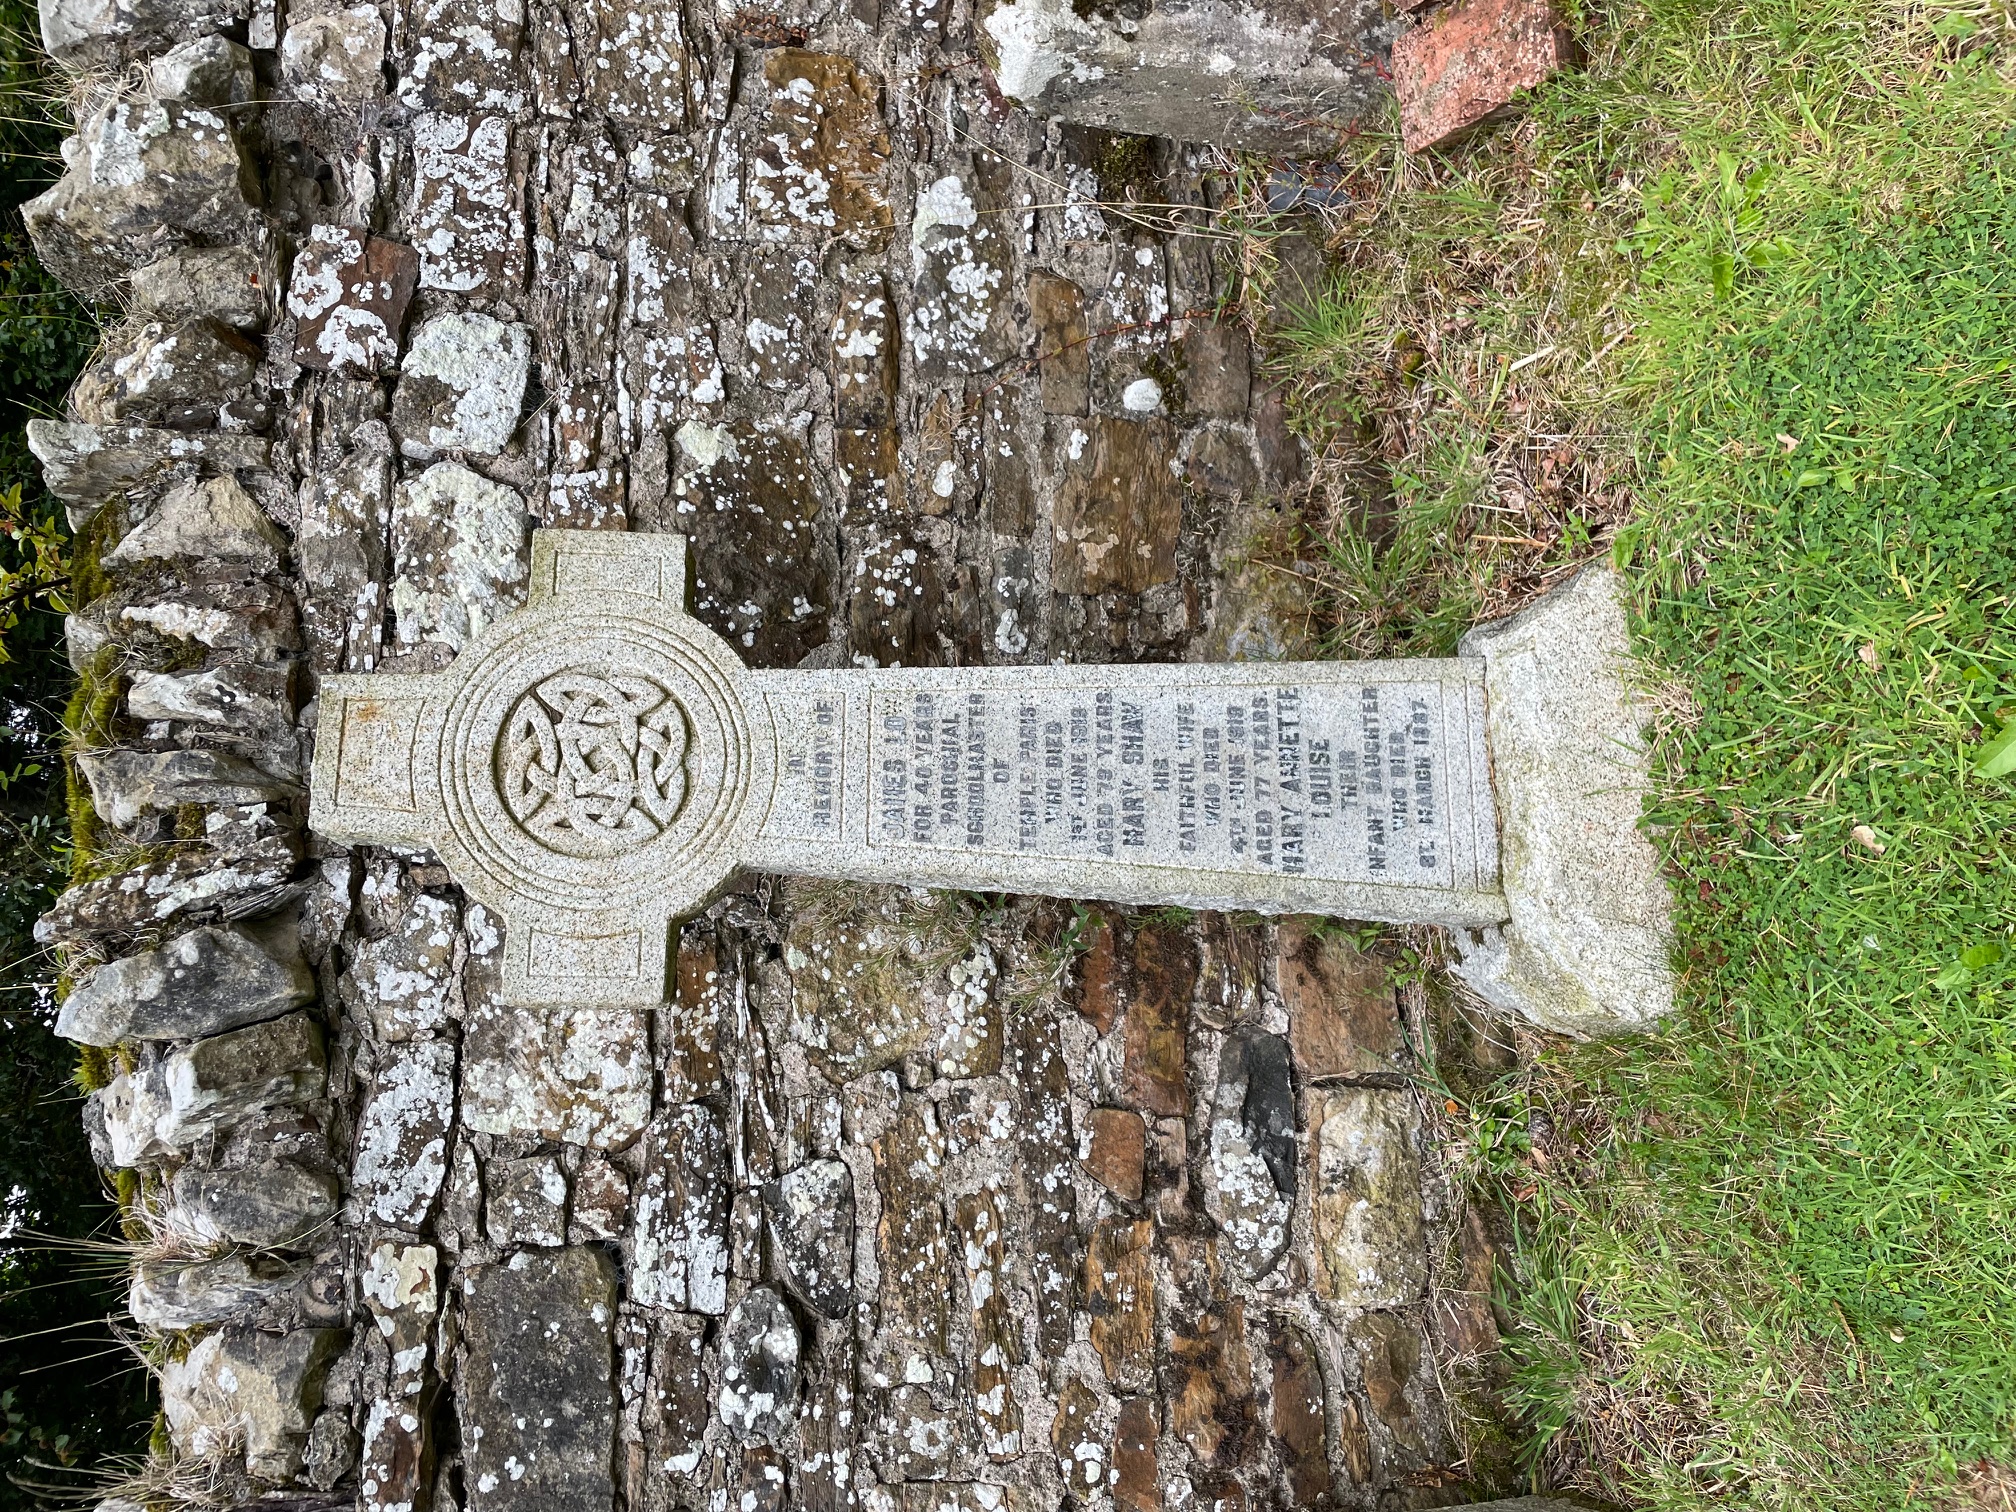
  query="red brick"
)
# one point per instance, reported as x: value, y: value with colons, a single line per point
x: 1460, y: 65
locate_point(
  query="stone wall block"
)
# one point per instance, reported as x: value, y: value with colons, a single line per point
x: 401, y: 1153
x: 579, y: 1078
x: 462, y: 55
x: 348, y: 294
x: 1365, y: 1174
x: 182, y: 375
x: 1119, y: 510
x: 910, y: 1240
x: 679, y: 1241
x: 200, y: 983
x: 1120, y: 1296
x: 809, y: 1215
x: 143, y: 178
x: 93, y: 34
x: 1343, y: 1015
x: 465, y: 219
x: 252, y: 1393
x: 759, y: 1367
x: 278, y: 1205
x: 537, y: 1378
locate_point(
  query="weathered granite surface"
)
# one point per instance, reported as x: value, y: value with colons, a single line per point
x: 1589, y: 945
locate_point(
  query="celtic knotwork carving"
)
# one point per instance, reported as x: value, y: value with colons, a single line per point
x: 593, y: 765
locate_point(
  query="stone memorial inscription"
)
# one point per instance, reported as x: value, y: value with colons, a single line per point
x: 600, y: 764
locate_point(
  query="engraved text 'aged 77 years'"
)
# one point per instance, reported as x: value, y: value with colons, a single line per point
x: 600, y: 764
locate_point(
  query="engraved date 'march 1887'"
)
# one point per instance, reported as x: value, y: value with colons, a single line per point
x: 592, y: 765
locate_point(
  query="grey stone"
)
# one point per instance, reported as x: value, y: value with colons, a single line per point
x: 1288, y: 78
x: 243, y: 1392
x: 536, y: 1395
x: 84, y: 465
x: 1250, y: 1170
x: 253, y: 697
x: 95, y: 33
x: 214, y: 519
x: 403, y: 983
x: 759, y: 1367
x: 678, y: 1249
x: 525, y: 1202
x: 127, y: 786
x: 457, y: 548
x: 1365, y: 1200
x: 245, y: 871
x: 337, y: 58
x: 332, y: 1450
x: 84, y: 637
x: 582, y: 1077
x: 341, y: 545
x: 145, y: 177
x: 212, y: 1085
x: 170, y: 1296
x: 213, y: 72
x: 1589, y: 944
x: 462, y: 385
x: 252, y: 617
x: 277, y: 1205
x: 228, y: 284
x: 811, y: 1220
x: 181, y: 376
x: 200, y: 983
x: 401, y: 1153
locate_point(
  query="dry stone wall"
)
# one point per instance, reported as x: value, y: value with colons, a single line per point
x: 904, y: 1202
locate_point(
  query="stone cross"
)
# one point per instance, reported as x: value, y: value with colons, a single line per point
x: 600, y: 764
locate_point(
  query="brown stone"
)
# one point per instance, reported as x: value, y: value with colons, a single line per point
x: 762, y: 1482
x: 980, y: 1218
x: 1354, y: 1443
x: 1119, y: 507
x: 1218, y: 369
x: 1099, y: 975
x: 676, y: 1406
x: 1157, y: 1021
x: 462, y: 55
x: 1343, y: 1017
x: 762, y: 577
x: 1137, y: 1477
x: 1010, y: 491
x: 1465, y: 62
x: 781, y: 287
x: 895, y: 603
x: 1207, y: 1381
x: 688, y: 1026
x: 1081, y: 1453
x: 1043, y: 1162
x: 1464, y: 1320
x: 1389, y: 1357
x: 348, y: 294
x: 1117, y: 1148
x: 820, y: 171
x: 1297, y: 1423
x: 632, y: 61
x: 910, y: 1236
x: 599, y: 1202
x: 1120, y: 1296
x: 466, y: 221
x: 1057, y: 309
x: 826, y: 1431
x: 864, y: 351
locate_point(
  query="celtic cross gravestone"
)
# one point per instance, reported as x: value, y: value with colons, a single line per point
x: 600, y: 764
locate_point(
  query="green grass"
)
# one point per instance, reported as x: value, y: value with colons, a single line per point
x: 1768, y: 1257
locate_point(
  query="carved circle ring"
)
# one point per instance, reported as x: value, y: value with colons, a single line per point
x: 593, y: 765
